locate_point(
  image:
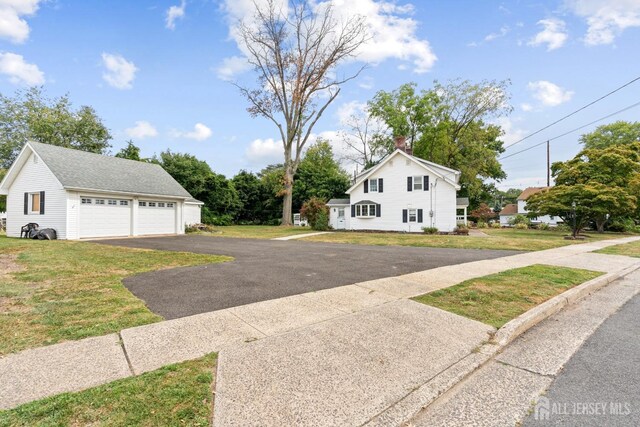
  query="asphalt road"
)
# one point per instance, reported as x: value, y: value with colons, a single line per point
x: 267, y: 269
x: 600, y: 385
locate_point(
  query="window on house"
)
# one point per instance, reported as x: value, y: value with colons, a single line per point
x: 340, y: 212
x: 86, y: 201
x: 417, y: 183
x: 169, y: 205
x: 366, y: 211
x: 99, y: 201
x: 35, y: 203
x: 413, y: 215
x: 112, y: 202
x: 124, y: 203
x: 142, y: 203
x: 152, y: 204
x: 160, y: 204
x: 373, y: 185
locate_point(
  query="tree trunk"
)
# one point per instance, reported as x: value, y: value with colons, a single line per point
x: 287, y: 202
x: 600, y: 222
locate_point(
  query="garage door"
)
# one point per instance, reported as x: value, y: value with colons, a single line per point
x: 104, y: 217
x: 156, y: 217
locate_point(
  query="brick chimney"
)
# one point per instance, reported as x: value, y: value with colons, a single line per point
x: 401, y: 144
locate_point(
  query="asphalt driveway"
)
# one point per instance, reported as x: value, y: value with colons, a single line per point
x: 268, y: 269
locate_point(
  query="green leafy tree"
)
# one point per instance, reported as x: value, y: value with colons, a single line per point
x: 448, y: 124
x: 319, y: 175
x: 221, y: 197
x: 30, y: 116
x: 252, y: 195
x: 272, y: 178
x: 3, y: 199
x: 614, y: 168
x: 131, y: 152
x: 617, y: 133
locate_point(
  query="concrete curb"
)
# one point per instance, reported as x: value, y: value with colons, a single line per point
x: 404, y: 410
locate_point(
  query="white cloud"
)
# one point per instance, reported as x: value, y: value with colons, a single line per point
x: 606, y: 19
x: 19, y: 71
x: 512, y: 133
x: 554, y: 34
x: 526, y: 106
x: 174, y: 13
x: 119, y: 72
x: 141, y: 130
x: 12, y: 24
x: 200, y: 132
x: 392, y: 31
x: 232, y: 66
x: 503, y: 32
x: 549, y: 94
x: 265, y: 151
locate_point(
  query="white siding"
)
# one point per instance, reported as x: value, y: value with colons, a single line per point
x: 35, y: 177
x: 395, y: 198
x: 192, y: 214
x: 552, y: 221
x: 333, y: 216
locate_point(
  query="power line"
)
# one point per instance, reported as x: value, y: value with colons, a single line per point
x: 571, y: 131
x: 573, y: 113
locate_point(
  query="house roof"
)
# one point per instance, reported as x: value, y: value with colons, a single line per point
x: 194, y: 201
x: 530, y: 191
x: 438, y: 170
x: 510, y: 209
x: 338, y: 202
x: 462, y: 201
x: 80, y: 170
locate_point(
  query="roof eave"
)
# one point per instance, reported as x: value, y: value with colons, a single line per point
x: 95, y: 190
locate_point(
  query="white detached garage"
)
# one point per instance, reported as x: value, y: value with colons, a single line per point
x: 85, y: 195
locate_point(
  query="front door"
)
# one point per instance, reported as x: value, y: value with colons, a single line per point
x: 341, y: 219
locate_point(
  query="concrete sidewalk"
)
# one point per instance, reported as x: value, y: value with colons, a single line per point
x: 502, y: 392
x: 72, y: 366
x: 301, y: 236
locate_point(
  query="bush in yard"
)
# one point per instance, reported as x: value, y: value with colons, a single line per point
x: 461, y: 230
x: 482, y: 224
x: 322, y: 221
x: 496, y: 225
x: 521, y: 226
x: 564, y: 228
x: 520, y: 219
x: 483, y: 213
x: 312, y: 208
x: 430, y: 230
x: 542, y: 226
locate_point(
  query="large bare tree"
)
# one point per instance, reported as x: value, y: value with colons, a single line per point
x: 364, y: 137
x: 294, y: 49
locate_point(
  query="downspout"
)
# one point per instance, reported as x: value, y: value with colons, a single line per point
x: 432, y: 212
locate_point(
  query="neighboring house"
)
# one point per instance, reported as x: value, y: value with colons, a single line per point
x: 507, y: 214
x: 86, y: 195
x: 522, y: 207
x: 401, y: 193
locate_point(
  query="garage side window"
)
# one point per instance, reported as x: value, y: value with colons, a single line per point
x: 86, y: 201
x: 124, y: 203
x: 112, y: 202
x: 152, y: 204
x: 169, y: 205
x: 142, y: 203
x: 160, y: 205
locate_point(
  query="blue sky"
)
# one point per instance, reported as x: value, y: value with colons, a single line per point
x: 158, y: 71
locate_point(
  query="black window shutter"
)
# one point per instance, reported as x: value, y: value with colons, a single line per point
x: 366, y: 185
x: 42, y: 203
x: 26, y: 203
x: 409, y: 183
x: 353, y: 211
x: 378, y: 210
x: 404, y: 215
x: 426, y: 183
x: 420, y: 215
x: 379, y: 185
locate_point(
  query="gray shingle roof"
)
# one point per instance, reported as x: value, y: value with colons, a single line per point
x: 338, y: 202
x: 89, y: 171
x: 462, y: 201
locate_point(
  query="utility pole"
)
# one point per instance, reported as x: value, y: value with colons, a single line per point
x: 548, y: 165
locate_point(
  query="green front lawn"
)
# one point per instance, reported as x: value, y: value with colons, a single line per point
x: 512, y: 239
x: 499, y: 298
x: 52, y: 291
x: 628, y: 249
x: 176, y: 395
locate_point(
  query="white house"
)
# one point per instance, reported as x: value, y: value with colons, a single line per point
x: 86, y: 195
x: 401, y: 193
x: 507, y: 214
x: 522, y: 207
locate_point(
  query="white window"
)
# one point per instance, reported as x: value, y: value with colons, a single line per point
x: 86, y: 201
x: 413, y: 215
x: 417, y: 183
x: 35, y: 203
x: 124, y: 203
x: 340, y: 212
x: 152, y: 204
x: 373, y: 185
x: 99, y: 201
x: 142, y: 203
x: 112, y: 202
x: 366, y: 211
x: 169, y: 205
